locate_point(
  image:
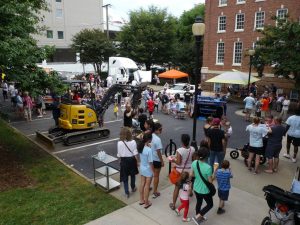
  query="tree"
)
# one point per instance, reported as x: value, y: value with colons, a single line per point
x: 185, y: 47
x: 18, y: 49
x: 94, y: 47
x: 280, y: 49
x: 148, y: 37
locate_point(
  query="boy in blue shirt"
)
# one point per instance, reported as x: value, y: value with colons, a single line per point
x: 223, y: 177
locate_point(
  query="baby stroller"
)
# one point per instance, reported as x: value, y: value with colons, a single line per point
x: 284, y: 207
x: 234, y: 154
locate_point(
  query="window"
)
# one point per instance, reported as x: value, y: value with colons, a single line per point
x: 237, y: 53
x: 222, y: 2
x: 281, y: 14
x: 49, y: 33
x: 239, y: 22
x: 60, y: 34
x: 220, y: 53
x: 240, y: 1
x: 59, y: 13
x: 259, y: 20
x: 58, y: 0
x: 222, y: 24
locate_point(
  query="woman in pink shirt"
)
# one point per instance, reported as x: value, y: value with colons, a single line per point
x: 28, y: 105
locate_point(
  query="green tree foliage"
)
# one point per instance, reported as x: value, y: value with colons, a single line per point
x: 149, y: 36
x: 18, y: 49
x: 280, y: 47
x: 94, y: 47
x: 185, y: 47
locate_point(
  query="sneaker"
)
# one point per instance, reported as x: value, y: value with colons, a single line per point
x: 186, y: 219
x: 220, y: 211
x: 286, y: 156
x: 195, y: 220
x: 177, y: 212
x: 294, y: 160
x: 198, y: 221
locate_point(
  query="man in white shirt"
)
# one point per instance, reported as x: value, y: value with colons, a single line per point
x: 109, y: 80
x: 249, y: 104
x: 285, y: 108
x: 293, y: 135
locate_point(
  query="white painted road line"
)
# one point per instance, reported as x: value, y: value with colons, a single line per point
x: 43, y: 132
x: 24, y: 121
x: 83, y: 146
x: 112, y: 121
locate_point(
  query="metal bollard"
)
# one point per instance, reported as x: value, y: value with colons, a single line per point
x: 172, y: 150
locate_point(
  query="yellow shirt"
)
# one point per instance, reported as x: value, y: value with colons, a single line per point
x: 116, y: 109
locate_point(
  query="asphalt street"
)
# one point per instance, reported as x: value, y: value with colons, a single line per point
x: 79, y: 156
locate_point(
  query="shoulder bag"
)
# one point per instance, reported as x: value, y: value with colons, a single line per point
x: 210, y: 186
x: 174, y: 176
x: 128, y: 148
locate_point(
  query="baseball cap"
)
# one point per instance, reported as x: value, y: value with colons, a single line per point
x: 216, y: 121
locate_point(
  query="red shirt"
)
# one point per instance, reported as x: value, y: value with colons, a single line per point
x: 265, y: 104
x: 150, y: 104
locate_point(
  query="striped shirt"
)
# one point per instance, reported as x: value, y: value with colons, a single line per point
x: 223, y: 178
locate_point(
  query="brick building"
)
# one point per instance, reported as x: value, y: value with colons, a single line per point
x: 231, y: 29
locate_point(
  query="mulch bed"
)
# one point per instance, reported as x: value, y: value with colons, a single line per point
x: 12, y: 172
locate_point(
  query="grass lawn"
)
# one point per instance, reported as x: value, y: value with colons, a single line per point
x: 53, y: 194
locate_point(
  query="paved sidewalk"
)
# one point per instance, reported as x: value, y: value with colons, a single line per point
x: 242, y: 209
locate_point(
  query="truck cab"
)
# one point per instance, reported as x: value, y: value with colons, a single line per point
x: 124, y: 71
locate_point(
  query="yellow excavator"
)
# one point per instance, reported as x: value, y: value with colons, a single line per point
x: 79, y: 122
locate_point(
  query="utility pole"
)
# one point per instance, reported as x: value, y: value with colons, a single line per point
x: 107, y: 28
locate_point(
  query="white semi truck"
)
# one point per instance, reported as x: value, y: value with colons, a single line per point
x: 125, y: 71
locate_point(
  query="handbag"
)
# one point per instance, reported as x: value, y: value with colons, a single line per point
x: 210, y: 186
x: 296, y: 182
x: 174, y: 176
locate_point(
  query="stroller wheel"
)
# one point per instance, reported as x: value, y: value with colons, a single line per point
x: 266, y: 221
x: 234, y: 154
x: 262, y: 160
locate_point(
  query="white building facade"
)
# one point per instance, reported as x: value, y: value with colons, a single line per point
x: 66, y: 18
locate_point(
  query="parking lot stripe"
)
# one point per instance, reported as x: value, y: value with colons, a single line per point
x: 83, y: 146
x: 29, y: 135
x: 24, y: 121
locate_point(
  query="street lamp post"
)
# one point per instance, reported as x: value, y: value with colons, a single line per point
x: 198, y: 29
x: 251, y: 53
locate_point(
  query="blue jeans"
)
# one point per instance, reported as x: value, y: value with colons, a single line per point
x: 213, y: 155
x: 132, y: 183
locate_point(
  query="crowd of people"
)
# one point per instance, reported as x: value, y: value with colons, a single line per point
x: 199, y: 168
x: 196, y: 167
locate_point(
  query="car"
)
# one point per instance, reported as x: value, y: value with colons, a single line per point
x: 180, y: 88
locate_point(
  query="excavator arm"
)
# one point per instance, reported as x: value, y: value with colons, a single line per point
x: 109, y: 96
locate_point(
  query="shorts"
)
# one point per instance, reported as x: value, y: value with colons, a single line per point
x: 223, y: 195
x: 273, y: 151
x: 39, y: 105
x: 156, y: 164
x: 295, y: 141
x: 248, y: 110
x: 256, y: 150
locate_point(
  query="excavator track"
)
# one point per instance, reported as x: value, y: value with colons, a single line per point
x: 84, y: 136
